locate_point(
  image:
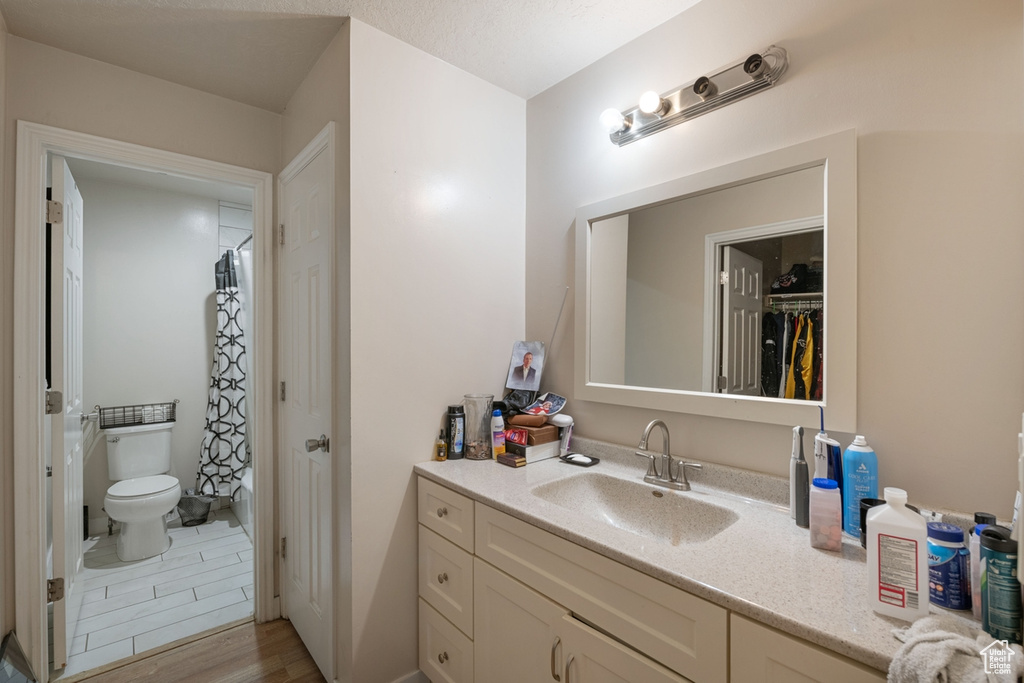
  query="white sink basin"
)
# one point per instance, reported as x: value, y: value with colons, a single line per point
x: 673, y: 517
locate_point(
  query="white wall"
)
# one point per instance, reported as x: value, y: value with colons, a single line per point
x: 150, y: 311
x: 437, y: 301
x: 430, y: 282
x: 321, y: 98
x: 940, y: 373
x: 57, y: 88
x: 6, y: 371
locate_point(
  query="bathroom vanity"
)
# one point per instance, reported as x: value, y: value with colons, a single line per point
x: 554, y: 572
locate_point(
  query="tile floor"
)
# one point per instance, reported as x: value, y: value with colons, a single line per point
x: 202, y: 581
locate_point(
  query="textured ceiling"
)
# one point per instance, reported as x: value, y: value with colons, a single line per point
x: 258, y: 51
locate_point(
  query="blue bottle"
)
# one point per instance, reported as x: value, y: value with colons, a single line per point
x: 860, y: 480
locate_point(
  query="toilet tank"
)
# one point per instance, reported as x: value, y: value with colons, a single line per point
x: 138, y: 451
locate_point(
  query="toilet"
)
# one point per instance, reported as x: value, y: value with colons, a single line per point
x: 138, y: 459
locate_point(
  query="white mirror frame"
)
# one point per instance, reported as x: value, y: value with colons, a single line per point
x: 837, y: 154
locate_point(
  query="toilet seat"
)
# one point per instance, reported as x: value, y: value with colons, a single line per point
x: 142, y: 486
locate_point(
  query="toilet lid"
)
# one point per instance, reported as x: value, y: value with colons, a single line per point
x: 142, y: 486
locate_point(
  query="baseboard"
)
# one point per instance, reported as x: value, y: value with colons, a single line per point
x: 415, y: 677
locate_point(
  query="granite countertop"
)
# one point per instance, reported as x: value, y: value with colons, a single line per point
x: 761, y: 566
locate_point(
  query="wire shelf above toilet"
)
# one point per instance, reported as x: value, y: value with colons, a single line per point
x: 140, y: 414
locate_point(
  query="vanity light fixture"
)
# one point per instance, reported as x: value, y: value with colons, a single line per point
x: 657, y: 112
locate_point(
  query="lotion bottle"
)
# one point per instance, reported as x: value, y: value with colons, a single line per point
x: 497, y: 434
x: 897, y: 559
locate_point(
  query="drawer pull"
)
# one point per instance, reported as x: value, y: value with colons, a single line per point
x: 554, y: 647
x: 568, y: 667
x: 443, y: 657
x: 441, y: 578
x: 441, y: 512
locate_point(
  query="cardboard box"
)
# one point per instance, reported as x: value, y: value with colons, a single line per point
x: 541, y: 435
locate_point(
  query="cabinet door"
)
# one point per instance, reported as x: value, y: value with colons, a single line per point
x: 764, y: 655
x: 515, y: 640
x: 592, y: 657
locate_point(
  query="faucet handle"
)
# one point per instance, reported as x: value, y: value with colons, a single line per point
x: 652, y: 468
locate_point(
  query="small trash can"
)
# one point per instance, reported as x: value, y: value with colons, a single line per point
x: 194, y: 508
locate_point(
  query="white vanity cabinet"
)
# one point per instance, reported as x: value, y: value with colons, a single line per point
x: 504, y: 600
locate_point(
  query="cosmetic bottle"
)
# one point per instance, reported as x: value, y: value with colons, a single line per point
x: 497, y: 434
x: 826, y: 515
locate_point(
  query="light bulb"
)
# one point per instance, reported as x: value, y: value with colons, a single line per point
x: 612, y: 120
x: 651, y: 102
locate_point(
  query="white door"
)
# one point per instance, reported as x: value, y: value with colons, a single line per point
x: 66, y: 426
x: 741, y: 323
x: 305, y: 367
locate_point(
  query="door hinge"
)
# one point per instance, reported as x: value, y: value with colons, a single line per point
x: 54, y: 590
x: 54, y: 402
x: 280, y: 234
x: 282, y: 391
x: 54, y: 212
x: 723, y: 383
x: 284, y: 547
x: 723, y: 277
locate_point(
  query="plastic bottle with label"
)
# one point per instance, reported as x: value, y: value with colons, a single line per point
x: 897, y: 558
x: 860, y: 472
x: 497, y: 433
x: 826, y: 515
x: 981, y: 520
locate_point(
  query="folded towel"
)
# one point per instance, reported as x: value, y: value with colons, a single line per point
x: 944, y: 649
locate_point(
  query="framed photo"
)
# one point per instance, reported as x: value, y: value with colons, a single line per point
x: 526, y: 366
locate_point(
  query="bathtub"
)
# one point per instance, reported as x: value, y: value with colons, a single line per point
x: 243, y: 507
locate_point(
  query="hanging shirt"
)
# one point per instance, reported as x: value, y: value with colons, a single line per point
x: 769, y: 356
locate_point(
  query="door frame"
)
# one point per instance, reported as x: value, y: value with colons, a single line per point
x: 713, y: 244
x: 34, y: 143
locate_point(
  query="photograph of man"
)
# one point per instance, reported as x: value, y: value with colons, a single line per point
x: 527, y: 365
x: 524, y: 374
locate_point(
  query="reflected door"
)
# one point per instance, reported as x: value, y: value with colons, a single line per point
x: 741, y: 323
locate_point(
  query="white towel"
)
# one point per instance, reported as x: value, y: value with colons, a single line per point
x: 943, y: 649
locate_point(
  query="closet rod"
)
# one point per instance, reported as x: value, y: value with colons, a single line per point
x: 245, y: 241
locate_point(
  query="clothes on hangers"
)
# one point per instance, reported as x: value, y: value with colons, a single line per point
x: 792, y: 353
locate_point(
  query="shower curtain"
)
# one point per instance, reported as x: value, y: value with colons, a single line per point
x: 222, y: 454
x: 243, y: 264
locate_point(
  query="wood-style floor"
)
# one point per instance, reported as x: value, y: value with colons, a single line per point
x: 246, y: 653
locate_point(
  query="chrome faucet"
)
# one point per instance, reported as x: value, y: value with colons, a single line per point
x: 673, y: 472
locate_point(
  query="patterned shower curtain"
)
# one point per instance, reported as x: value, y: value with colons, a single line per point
x: 222, y: 455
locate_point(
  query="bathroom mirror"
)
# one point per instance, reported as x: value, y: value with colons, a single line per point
x: 676, y: 282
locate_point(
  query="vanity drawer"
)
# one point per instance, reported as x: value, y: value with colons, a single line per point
x: 446, y: 512
x: 446, y: 579
x: 764, y: 655
x: 446, y: 654
x: 681, y: 631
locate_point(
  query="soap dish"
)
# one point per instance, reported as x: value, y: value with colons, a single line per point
x: 579, y: 459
